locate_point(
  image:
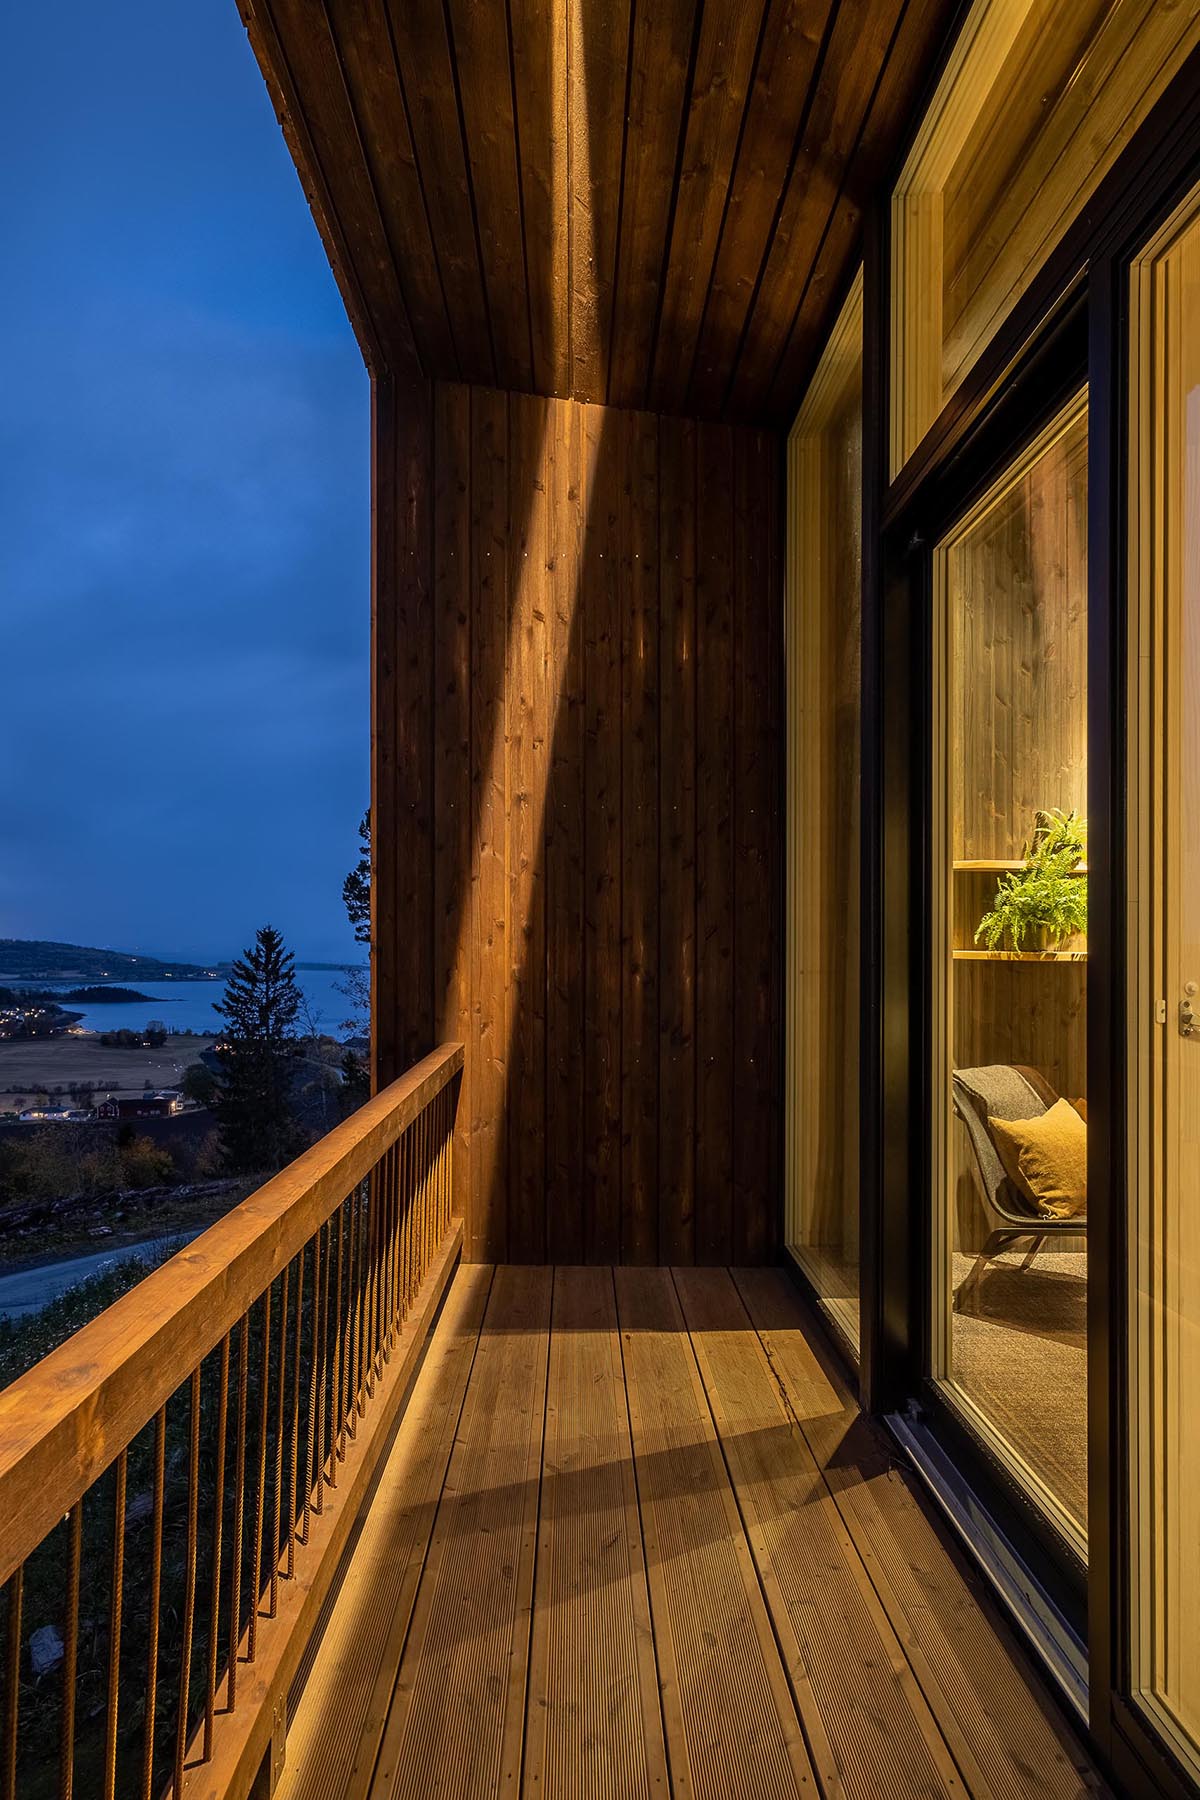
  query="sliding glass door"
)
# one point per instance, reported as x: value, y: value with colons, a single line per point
x: 1009, y: 958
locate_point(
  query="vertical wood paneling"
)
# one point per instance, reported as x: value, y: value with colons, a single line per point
x: 453, y: 816
x: 659, y: 63
x: 639, y: 843
x: 532, y: 469
x: 724, y: 67
x: 714, y: 845
x: 598, y: 41
x: 564, y: 837
x: 539, y: 68
x: 404, y: 763
x: 386, y: 972
x: 677, y: 842
x: 425, y: 74
x: 576, y: 809
x: 480, y: 49
x: 487, y: 1231
x: 605, y: 447
x: 755, y: 744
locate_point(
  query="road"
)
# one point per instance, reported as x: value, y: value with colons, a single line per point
x: 26, y: 1291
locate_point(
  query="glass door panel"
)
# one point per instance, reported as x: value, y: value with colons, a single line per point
x: 1009, y: 886
x: 1164, y: 976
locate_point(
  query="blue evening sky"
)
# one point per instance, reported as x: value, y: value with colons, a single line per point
x: 184, y: 501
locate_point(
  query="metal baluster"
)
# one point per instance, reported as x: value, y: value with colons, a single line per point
x: 160, y: 1452
x: 385, y: 1284
x: 312, y: 1385
x: 295, y: 1468
x: 260, y: 1491
x: 115, y: 1619
x: 397, y: 1224
x: 189, y: 1594
x: 275, y: 1541
x: 66, y: 1749
x: 210, y: 1690
x: 348, y: 1407
x: 360, y: 1233
x: 239, y: 1510
x: 373, y: 1279
x: 325, y: 1405
x: 12, y: 1681
x: 339, y: 1443
x: 406, y: 1261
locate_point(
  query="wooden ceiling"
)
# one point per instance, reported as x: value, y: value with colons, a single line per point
x: 645, y: 202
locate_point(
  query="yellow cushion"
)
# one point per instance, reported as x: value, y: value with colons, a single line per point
x: 1047, y: 1158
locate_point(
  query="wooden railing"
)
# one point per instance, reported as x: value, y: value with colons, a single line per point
x: 178, y: 1480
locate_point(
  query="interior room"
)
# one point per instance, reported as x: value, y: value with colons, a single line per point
x: 1011, y: 775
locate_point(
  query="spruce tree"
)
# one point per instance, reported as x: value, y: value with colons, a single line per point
x: 256, y: 1048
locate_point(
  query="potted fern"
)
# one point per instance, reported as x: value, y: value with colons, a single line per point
x: 1043, y: 905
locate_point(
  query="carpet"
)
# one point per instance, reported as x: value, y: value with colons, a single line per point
x: 1020, y: 1354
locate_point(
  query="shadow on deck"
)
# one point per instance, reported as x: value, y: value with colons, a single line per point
x: 632, y: 1539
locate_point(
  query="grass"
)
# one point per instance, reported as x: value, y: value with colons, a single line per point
x: 35, y: 1064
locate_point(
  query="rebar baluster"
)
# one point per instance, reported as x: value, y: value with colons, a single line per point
x: 66, y: 1747
x: 160, y: 1455
x: 406, y: 1259
x: 260, y: 1491
x: 115, y: 1619
x: 385, y: 1273
x: 239, y: 1510
x: 348, y: 1408
x: 393, y: 1213
x: 189, y: 1592
x: 339, y: 1444
x: 324, y: 1421
x: 210, y: 1688
x: 12, y: 1681
x: 364, y: 1204
x: 295, y: 1465
x: 372, y: 1195
x: 355, y: 1383
x: 275, y: 1541
x: 376, y: 1204
x: 423, y: 1206
x: 312, y: 1384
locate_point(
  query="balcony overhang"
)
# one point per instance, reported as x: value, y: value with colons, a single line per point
x: 653, y: 207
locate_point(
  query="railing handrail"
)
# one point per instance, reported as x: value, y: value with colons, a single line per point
x: 65, y: 1420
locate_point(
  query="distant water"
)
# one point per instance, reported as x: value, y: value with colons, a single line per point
x: 188, y: 1005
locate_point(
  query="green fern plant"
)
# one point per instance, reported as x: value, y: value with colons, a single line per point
x: 1043, y: 903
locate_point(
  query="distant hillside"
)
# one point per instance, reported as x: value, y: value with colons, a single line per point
x: 33, y: 959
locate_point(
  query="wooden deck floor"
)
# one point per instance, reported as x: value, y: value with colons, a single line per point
x: 631, y: 1541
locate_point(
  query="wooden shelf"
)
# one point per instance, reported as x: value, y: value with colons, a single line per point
x: 1036, y: 956
x: 987, y: 866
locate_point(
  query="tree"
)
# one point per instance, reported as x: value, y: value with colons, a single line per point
x: 356, y: 896
x: 262, y: 999
x: 155, y: 1034
x: 199, y: 1085
x: 356, y: 889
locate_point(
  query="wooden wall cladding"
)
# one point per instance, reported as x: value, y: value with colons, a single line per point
x: 578, y: 813
x: 1017, y: 741
x: 653, y: 205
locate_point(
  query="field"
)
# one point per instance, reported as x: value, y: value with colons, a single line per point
x: 46, y: 1063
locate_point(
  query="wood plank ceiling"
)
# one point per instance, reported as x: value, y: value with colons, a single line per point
x: 648, y: 203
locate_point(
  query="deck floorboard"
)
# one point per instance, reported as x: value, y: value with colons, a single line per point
x: 634, y: 1540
